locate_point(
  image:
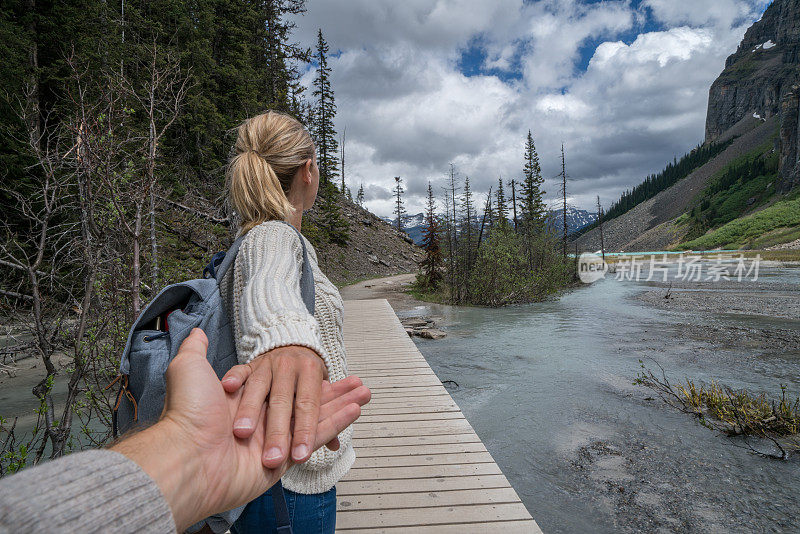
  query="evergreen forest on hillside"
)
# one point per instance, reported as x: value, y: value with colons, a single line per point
x: 655, y: 183
x: 116, y: 121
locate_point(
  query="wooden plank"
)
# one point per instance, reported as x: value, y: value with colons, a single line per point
x: 410, y: 517
x: 394, y: 410
x: 400, y: 396
x: 389, y: 409
x: 427, y: 499
x: 395, y: 432
x: 405, y: 400
x: 506, y: 527
x: 404, y: 390
x: 371, y: 366
x: 398, y: 374
x: 458, y: 425
x: 425, y: 416
x: 425, y: 460
x: 420, y: 450
x: 348, y: 487
x: 404, y: 441
x: 401, y: 381
x: 434, y: 471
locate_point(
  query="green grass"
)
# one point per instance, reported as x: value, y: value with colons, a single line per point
x: 739, y: 232
x: 428, y: 295
x: 744, y: 184
x: 775, y: 237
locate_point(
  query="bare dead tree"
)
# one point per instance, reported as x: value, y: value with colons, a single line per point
x: 600, y: 223
x: 487, y: 211
x: 44, y: 246
x: 160, y: 98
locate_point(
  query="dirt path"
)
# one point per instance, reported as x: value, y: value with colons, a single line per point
x: 391, y: 288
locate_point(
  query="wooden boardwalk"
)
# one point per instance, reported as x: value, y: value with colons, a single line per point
x: 421, y: 467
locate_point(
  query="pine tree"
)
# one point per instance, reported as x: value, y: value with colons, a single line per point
x: 500, y: 198
x: 564, y: 196
x: 533, y: 208
x: 600, y: 223
x: 281, y: 77
x: 341, y: 160
x: 332, y: 222
x: 399, y: 208
x: 431, y: 265
x: 360, y: 196
x: 467, y: 223
x: 487, y: 222
x: 514, y: 202
x: 324, y: 131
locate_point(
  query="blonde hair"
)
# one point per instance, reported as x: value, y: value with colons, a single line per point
x: 269, y: 149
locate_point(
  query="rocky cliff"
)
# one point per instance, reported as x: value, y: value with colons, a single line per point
x: 762, y: 79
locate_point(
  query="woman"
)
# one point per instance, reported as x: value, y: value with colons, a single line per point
x: 284, y: 352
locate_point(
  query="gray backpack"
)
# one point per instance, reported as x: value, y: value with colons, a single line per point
x: 157, y: 334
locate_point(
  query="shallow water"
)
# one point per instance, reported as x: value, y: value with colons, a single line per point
x: 548, y: 388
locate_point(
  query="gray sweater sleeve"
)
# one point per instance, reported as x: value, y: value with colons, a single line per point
x: 92, y: 491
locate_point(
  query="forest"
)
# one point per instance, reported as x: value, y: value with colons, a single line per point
x: 116, y: 117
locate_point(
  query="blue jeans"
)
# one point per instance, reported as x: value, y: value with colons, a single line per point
x: 310, y: 514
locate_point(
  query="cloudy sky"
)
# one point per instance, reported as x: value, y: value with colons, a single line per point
x: 423, y: 83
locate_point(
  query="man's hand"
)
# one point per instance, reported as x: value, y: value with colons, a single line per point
x: 200, y: 467
x: 291, y: 378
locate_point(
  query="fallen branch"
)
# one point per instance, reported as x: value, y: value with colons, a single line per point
x: 217, y: 220
x: 187, y: 237
x: 735, y: 413
x: 20, y: 267
x: 14, y: 294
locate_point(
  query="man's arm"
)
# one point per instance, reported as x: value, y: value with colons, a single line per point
x: 92, y: 491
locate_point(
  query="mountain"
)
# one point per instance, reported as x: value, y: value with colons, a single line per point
x: 576, y: 219
x: 745, y: 195
x: 414, y: 225
x: 762, y: 80
x: 374, y: 248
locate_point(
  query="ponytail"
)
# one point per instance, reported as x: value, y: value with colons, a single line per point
x: 269, y: 149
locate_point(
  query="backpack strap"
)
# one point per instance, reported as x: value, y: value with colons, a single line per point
x: 282, y: 519
x: 227, y: 260
x: 306, y: 276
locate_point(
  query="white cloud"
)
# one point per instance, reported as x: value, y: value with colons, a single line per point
x: 557, y: 29
x: 409, y: 111
x: 720, y: 13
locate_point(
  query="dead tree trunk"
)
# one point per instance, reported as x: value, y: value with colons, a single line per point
x: 600, y: 223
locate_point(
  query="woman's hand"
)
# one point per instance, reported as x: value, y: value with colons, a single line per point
x: 291, y: 379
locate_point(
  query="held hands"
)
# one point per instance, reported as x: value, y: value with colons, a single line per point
x: 291, y: 378
x: 200, y: 467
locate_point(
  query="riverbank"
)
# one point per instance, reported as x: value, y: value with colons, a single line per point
x: 392, y: 288
x: 760, y: 315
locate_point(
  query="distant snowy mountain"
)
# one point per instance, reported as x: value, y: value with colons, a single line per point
x: 576, y: 219
x: 414, y: 225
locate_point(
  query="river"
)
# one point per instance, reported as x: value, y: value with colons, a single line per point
x: 549, y: 389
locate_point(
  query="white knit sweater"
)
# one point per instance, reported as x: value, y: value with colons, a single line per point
x: 263, y: 296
